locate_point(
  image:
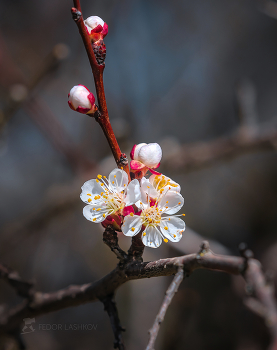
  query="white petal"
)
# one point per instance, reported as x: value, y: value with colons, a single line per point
x: 118, y: 180
x: 153, y: 237
x: 133, y: 193
x: 172, y: 228
x: 131, y: 225
x: 137, y: 149
x: 78, y: 96
x: 90, y: 189
x: 173, y: 201
x: 159, y: 181
x: 150, y: 154
x: 147, y: 190
x: 93, y: 22
x: 92, y: 214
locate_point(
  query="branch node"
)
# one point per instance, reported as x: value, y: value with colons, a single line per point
x: 99, y: 49
x: 204, y: 249
x: 246, y: 254
x: 123, y: 160
x: 76, y: 15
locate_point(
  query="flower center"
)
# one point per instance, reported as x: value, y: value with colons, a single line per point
x: 113, y: 198
x: 151, y: 216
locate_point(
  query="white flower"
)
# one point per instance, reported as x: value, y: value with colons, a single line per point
x: 146, y: 155
x: 153, y: 220
x: 80, y: 99
x: 96, y: 27
x: 109, y: 196
x: 155, y: 187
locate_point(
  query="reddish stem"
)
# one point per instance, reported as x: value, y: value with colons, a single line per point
x: 97, y: 71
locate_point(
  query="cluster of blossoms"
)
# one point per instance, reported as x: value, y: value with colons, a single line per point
x: 144, y: 205
x: 141, y: 206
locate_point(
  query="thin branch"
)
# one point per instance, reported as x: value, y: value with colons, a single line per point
x: 173, y: 288
x: 110, y: 307
x: 97, y: 70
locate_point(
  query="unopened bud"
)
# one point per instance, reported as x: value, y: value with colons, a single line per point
x: 80, y: 99
x: 96, y: 27
x: 148, y: 154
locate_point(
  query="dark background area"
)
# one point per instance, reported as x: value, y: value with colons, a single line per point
x: 171, y: 73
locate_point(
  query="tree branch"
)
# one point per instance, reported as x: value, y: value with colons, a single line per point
x: 173, y: 288
x: 43, y: 303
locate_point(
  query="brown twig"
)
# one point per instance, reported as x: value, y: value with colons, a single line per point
x: 97, y: 70
x: 173, y: 288
x: 110, y: 307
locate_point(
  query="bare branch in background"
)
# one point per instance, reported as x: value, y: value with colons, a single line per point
x: 23, y: 288
x: 268, y: 7
x: 173, y: 288
x: 43, y: 303
x: 200, y: 154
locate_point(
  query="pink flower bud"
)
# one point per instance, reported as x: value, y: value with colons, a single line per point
x: 80, y: 99
x: 146, y: 155
x: 96, y: 27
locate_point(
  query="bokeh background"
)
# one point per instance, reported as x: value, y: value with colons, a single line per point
x: 171, y: 76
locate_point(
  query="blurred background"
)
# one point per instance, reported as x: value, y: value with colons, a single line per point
x: 173, y: 74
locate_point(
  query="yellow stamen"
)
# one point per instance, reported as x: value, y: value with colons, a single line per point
x: 133, y: 229
x: 144, y: 234
x: 102, y: 184
x: 132, y: 214
x: 184, y: 214
x: 174, y: 236
x: 99, y: 176
x: 97, y: 180
x: 113, y: 182
x: 94, y: 219
x: 114, y: 176
x: 89, y: 200
x: 166, y: 240
x: 93, y: 208
x: 104, y: 215
x: 179, y: 203
x: 166, y: 228
x: 102, y: 193
x: 89, y: 194
x: 98, y: 209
